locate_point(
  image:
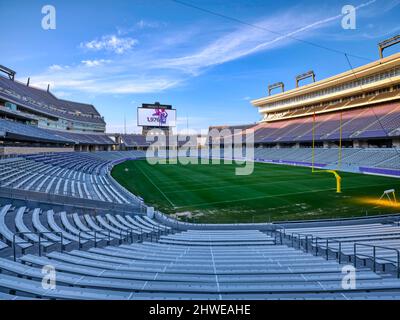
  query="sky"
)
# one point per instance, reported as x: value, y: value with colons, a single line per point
x: 208, y: 58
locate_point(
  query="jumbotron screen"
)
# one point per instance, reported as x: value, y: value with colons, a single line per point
x: 156, y: 117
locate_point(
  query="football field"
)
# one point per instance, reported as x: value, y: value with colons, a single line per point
x: 214, y: 194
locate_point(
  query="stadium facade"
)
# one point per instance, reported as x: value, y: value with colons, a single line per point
x: 35, y: 118
x: 361, y: 106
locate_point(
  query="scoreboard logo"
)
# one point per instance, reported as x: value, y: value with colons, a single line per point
x: 156, y: 117
x: 159, y: 116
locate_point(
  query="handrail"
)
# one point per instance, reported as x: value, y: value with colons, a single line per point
x: 279, y: 225
x: 339, y: 253
x: 91, y: 237
x: 374, y: 247
x: 39, y: 242
x: 299, y: 235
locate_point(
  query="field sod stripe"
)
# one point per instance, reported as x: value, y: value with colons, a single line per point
x: 151, y: 181
x: 248, y: 184
x: 269, y: 196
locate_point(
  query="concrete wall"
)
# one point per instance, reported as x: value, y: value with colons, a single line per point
x: 31, y: 150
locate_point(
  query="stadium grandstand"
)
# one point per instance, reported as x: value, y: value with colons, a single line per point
x: 66, y: 210
x: 35, y: 118
x: 351, y: 120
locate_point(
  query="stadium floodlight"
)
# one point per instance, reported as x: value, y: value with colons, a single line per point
x: 387, y: 43
x: 276, y: 85
x: 8, y: 71
x: 309, y: 74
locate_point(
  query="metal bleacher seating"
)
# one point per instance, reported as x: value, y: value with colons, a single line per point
x: 80, y: 175
x: 114, y: 257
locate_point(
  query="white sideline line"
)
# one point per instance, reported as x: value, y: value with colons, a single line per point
x: 151, y: 181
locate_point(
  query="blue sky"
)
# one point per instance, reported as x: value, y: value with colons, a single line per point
x: 118, y: 54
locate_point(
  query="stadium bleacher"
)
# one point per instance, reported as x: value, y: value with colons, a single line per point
x: 45, y: 102
x: 191, y: 264
x: 15, y: 130
x: 117, y: 256
x: 380, y: 121
x: 384, y: 158
x: 80, y: 175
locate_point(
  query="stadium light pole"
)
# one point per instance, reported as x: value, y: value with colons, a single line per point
x: 387, y: 43
x: 276, y: 85
x: 309, y: 74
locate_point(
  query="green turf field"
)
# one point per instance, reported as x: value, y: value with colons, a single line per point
x: 214, y: 194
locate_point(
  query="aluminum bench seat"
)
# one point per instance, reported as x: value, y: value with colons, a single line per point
x: 127, y: 259
x: 366, y: 238
x: 84, y: 276
x: 333, y: 228
x: 214, y: 238
x: 3, y: 245
x: 7, y: 234
x: 210, y: 287
x: 204, y: 243
x: 92, y: 224
x: 37, y: 224
x: 153, y: 222
x: 112, y: 265
x: 110, y: 228
x: 55, y: 227
x: 119, y: 225
x: 139, y: 225
x: 60, y: 292
x: 343, y: 235
x: 78, y: 222
x: 218, y: 259
x: 147, y: 224
x: 21, y: 227
x: 70, y: 228
x: 130, y: 225
x: 286, y: 255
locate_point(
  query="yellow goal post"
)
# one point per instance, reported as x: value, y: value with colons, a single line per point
x: 334, y: 172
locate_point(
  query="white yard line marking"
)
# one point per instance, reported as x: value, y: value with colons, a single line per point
x: 151, y: 181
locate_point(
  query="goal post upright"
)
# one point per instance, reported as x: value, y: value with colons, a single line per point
x: 340, y: 141
x: 313, y: 144
x: 337, y: 176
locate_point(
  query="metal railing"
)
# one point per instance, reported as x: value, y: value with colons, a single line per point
x: 374, y: 256
x: 325, y: 244
x: 41, y: 236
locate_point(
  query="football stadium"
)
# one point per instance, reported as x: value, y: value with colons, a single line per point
x: 282, y: 209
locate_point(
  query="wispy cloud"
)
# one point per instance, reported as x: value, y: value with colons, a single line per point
x: 152, y: 67
x: 110, y: 43
x: 250, y: 40
x: 139, y: 25
x: 143, y: 24
x: 95, y: 63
